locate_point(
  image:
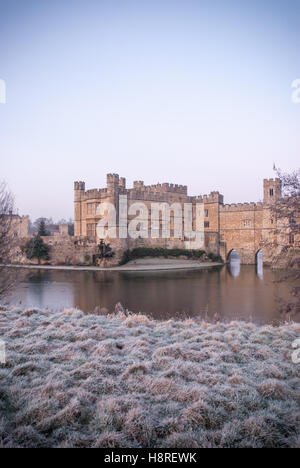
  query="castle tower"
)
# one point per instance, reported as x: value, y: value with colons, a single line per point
x: 272, y: 190
x: 122, y: 183
x: 79, y: 189
x: 112, y: 184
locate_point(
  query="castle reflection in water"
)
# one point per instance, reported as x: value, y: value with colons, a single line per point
x: 231, y: 292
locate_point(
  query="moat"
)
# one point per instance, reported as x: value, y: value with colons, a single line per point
x: 230, y: 292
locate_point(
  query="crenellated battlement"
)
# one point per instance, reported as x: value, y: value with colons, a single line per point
x: 138, y: 184
x: 79, y: 186
x: 277, y: 180
x: 158, y: 191
x: 112, y: 178
x: 160, y: 188
x: 241, y: 207
x: 163, y: 192
x: 122, y: 183
x: 213, y: 197
x: 95, y: 193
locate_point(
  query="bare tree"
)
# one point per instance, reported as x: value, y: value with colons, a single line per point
x: 7, y: 277
x: 286, y: 211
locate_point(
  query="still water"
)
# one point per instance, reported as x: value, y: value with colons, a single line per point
x: 230, y: 292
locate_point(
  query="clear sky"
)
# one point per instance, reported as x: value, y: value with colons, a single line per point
x: 190, y: 92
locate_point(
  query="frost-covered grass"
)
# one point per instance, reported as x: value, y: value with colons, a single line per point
x: 75, y: 380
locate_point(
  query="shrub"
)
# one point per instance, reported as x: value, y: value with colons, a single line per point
x: 215, y: 258
x: 155, y: 252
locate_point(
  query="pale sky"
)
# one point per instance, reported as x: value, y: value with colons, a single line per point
x: 189, y: 92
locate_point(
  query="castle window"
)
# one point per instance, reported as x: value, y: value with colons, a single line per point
x: 272, y: 221
x: 271, y: 192
x: 90, y: 208
x: 206, y: 224
x: 292, y: 239
x: 91, y: 230
x: 206, y: 213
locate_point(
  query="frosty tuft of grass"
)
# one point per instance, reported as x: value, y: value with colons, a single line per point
x: 124, y: 380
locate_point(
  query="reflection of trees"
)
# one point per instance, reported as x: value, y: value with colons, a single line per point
x: 41, y: 279
x: 45, y: 289
x: 40, y: 276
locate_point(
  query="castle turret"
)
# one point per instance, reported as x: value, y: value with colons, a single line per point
x: 272, y: 190
x: 112, y: 184
x: 79, y: 190
x: 122, y: 183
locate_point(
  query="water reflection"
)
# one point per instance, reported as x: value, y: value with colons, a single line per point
x: 259, y: 264
x: 230, y: 292
x: 234, y: 265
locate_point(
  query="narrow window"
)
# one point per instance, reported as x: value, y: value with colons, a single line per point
x: 206, y: 213
x: 90, y: 208
x: 91, y: 230
x: 271, y: 192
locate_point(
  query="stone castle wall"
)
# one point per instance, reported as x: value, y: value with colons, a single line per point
x: 75, y: 251
x: 19, y: 226
x: 242, y: 227
x: 65, y: 250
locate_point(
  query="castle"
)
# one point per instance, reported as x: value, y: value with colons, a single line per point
x: 242, y: 227
x: 19, y: 225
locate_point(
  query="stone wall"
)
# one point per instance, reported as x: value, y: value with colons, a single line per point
x: 241, y: 230
x: 243, y: 227
x: 19, y: 226
x: 65, y: 250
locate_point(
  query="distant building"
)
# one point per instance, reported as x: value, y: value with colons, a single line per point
x: 57, y: 229
x: 19, y: 225
x: 54, y: 230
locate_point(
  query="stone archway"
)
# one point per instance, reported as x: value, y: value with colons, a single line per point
x: 259, y: 256
x: 233, y: 253
x: 233, y: 263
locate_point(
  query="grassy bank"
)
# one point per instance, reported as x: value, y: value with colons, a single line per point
x: 75, y: 380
